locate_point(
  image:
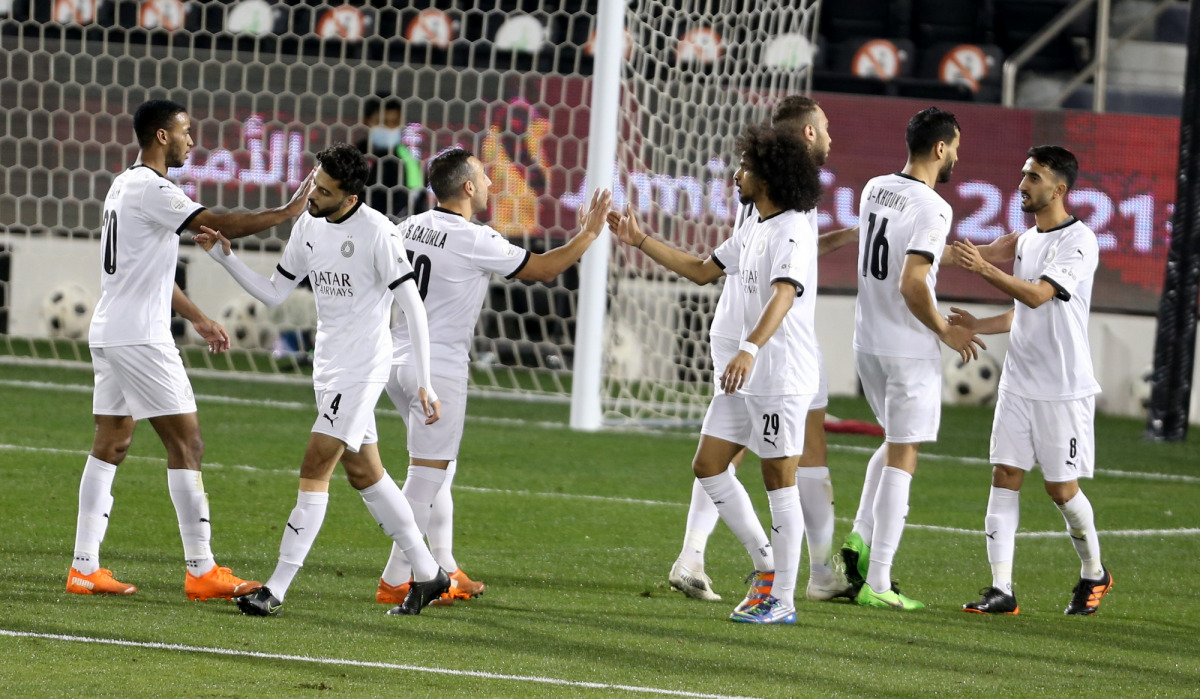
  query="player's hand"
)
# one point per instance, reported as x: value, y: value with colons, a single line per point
x: 432, y: 408
x: 734, y: 376
x: 629, y: 230
x: 213, y: 334
x: 1002, y: 249
x: 963, y: 340
x: 967, y: 256
x: 964, y: 318
x: 299, y: 200
x: 597, y: 211
x: 209, y: 237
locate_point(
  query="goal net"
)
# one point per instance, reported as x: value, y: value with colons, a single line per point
x: 268, y: 83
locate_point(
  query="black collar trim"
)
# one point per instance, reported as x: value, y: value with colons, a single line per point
x: 349, y: 213
x: 1070, y: 220
x: 908, y: 177
x: 448, y: 211
x: 134, y: 167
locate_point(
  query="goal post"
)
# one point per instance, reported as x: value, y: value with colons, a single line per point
x: 593, y: 276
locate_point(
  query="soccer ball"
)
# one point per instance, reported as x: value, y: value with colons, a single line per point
x: 973, y: 383
x: 67, y: 311
x: 246, y: 322
x: 1140, y: 386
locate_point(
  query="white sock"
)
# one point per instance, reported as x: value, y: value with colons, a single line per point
x: 702, y: 518
x: 191, y: 509
x: 733, y: 503
x: 864, y: 519
x: 816, y: 503
x: 891, y: 509
x: 391, y: 510
x: 303, y: 524
x: 422, y: 490
x: 787, y: 530
x: 440, y: 531
x: 1000, y: 528
x: 1081, y: 525
x: 95, y: 504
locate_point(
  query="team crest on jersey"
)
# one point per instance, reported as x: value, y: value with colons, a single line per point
x: 348, y: 248
x: 762, y: 247
x: 179, y: 202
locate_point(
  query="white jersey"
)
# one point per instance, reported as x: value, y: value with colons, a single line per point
x: 898, y: 215
x: 352, y: 264
x: 1049, y: 357
x: 727, y: 318
x: 783, y: 248
x: 453, y: 259
x: 144, y: 213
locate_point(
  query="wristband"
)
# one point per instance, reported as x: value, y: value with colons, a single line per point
x: 749, y: 348
x: 644, y: 239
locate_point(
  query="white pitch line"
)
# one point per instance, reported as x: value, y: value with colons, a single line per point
x: 294, y: 405
x: 609, y: 498
x: 477, y: 674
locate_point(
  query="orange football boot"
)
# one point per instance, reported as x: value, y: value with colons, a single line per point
x: 101, y: 582
x: 218, y: 583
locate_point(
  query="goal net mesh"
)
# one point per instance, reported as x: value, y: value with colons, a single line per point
x: 269, y: 83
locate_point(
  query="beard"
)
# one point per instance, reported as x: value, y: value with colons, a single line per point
x: 820, y: 156
x: 1032, y: 206
x: 946, y: 171
x: 745, y: 198
x: 176, y: 157
x: 328, y: 211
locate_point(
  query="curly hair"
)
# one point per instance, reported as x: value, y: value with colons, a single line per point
x: 153, y: 115
x: 781, y: 160
x: 344, y: 163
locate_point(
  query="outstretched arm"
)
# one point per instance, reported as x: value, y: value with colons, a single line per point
x: 629, y: 231
x: 270, y: 291
x: 241, y: 225
x: 1032, y: 294
x: 546, y: 266
x: 991, y: 325
x: 834, y: 240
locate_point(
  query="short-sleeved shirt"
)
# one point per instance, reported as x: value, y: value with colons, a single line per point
x: 1049, y: 356
x: 352, y: 264
x: 144, y: 213
x: 899, y: 215
x: 780, y: 248
x: 453, y: 259
x: 727, y: 318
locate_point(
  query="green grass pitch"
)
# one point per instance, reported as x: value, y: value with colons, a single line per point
x: 574, y: 534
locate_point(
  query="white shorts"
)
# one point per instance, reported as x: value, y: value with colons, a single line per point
x: 348, y: 414
x: 141, y: 381
x: 1056, y: 434
x: 441, y: 440
x: 724, y: 348
x: 771, y: 426
x: 905, y: 395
